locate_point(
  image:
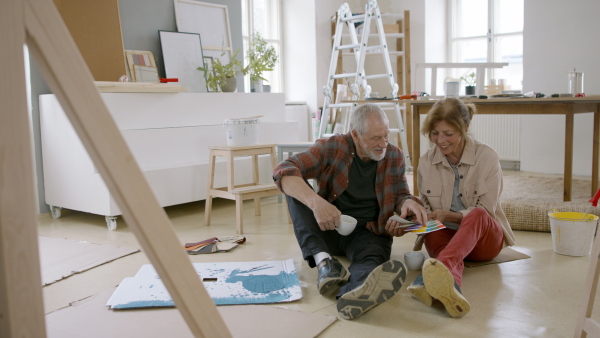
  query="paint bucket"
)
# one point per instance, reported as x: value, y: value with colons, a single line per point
x: 572, y: 235
x: 242, y: 132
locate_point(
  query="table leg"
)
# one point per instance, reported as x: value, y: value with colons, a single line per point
x: 239, y: 210
x: 568, y: 175
x: 416, y: 151
x: 210, y: 185
x: 595, y: 150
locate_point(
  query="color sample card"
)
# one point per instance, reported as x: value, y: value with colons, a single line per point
x: 418, y: 228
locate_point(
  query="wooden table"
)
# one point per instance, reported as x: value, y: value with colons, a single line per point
x: 568, y: 106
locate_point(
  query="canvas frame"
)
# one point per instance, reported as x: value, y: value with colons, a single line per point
x: 182, y: 55
x: 209, y: 20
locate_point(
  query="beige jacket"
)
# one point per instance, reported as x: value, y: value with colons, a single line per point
x: 480, y: 184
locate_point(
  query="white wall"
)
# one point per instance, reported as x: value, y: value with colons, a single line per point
x: 558, y: 36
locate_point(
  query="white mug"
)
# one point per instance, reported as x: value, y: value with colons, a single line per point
x: 347, y: 225
x: 414, y: 260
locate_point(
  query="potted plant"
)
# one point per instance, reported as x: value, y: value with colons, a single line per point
x: 469, y: 81
x: 221, y: 77
x: 261, y: 58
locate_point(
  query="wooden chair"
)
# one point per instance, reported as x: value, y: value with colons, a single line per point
x: 239, y: 193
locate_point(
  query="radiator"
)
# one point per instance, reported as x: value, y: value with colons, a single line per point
x: 501, y: 132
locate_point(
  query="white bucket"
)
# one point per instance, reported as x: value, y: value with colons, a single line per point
x: 242, y: 132
x: 572, y: 235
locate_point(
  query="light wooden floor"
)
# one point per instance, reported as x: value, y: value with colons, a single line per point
x: 536, y: 297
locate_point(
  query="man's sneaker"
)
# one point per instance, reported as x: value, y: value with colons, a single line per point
x: 331, y: 273
x: 440, y: 285
x: 381, y: 284
x: 418, y: 290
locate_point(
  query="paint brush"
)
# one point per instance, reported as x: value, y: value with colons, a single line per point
x: 594, y: 201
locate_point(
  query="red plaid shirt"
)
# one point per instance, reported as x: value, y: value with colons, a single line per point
x: 329, y: 160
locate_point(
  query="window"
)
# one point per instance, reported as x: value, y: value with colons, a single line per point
x: 263, y: 16
x: 489, y: 31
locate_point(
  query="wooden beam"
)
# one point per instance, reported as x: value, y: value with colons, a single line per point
x: 21, y: 299
x: 69, y: 78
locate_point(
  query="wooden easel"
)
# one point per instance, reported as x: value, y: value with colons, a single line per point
x: 585, y: 324
x: 38, y: 24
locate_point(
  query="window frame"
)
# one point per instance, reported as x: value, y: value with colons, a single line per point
x: 491, y: 36
x: 248, y: 29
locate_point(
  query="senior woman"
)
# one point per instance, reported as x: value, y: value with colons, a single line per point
x: 460, y: 181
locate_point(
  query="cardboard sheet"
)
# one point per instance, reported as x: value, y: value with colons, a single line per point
x: 61, y: 258
x: 506, y: 255
x: 228, y: 283
x: 91, y: 319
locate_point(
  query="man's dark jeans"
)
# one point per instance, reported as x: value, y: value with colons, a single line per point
x: 364, y: 249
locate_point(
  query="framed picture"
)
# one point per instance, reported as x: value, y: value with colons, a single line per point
x: 139, y: 59
x: 145, y: 74
x: 209, y: 20
x: 182, y: 55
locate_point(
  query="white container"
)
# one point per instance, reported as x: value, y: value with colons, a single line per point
x: 572, y: 235
x: 575, y: 82
x: 347, y: 225
x: 451, y: 88
x: 242, y: 132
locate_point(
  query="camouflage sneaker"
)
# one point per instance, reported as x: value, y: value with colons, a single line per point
x: 381, y: 284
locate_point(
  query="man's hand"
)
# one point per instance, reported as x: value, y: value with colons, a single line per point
x: 415, y: 209
x: 392, y: 228
x: 326, y: 214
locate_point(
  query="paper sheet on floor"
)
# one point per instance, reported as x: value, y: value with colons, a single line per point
x: 89, y: 318
x: 506, y: 255
x: 61, y: 258
x: 227, y: 283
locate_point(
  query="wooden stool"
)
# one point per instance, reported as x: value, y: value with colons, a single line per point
x: 243, y: 192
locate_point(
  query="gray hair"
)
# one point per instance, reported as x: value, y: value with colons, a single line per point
x: 360, y: 117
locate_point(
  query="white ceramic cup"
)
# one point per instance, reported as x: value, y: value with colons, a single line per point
x: 347, y: 225
x: 414, y: 260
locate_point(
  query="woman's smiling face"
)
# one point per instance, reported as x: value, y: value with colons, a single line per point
x: 448, y: 140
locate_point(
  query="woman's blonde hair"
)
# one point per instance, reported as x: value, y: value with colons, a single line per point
x: 452, y: 111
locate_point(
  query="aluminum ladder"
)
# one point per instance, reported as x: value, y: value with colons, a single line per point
x: 345, y: 18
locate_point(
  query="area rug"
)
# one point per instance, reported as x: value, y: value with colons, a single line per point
x: 528, y: 198
x: 61, y: 258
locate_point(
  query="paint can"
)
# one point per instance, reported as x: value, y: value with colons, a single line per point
x: 242, y: 132
x: 572, y: 235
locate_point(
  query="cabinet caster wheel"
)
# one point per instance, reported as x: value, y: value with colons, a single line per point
x: 56, y: 211
x: 111, y: 222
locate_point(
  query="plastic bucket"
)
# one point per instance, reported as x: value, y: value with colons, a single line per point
x: 242, y: 132
x: 572, y: 235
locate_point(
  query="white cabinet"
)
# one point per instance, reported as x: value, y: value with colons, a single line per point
x: 168, y: 134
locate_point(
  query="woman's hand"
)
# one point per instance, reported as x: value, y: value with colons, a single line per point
x: 445, y: 216
x: 438, y: 215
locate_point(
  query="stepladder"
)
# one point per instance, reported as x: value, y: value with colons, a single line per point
x: 239, y: 193
x: 359, y: 45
